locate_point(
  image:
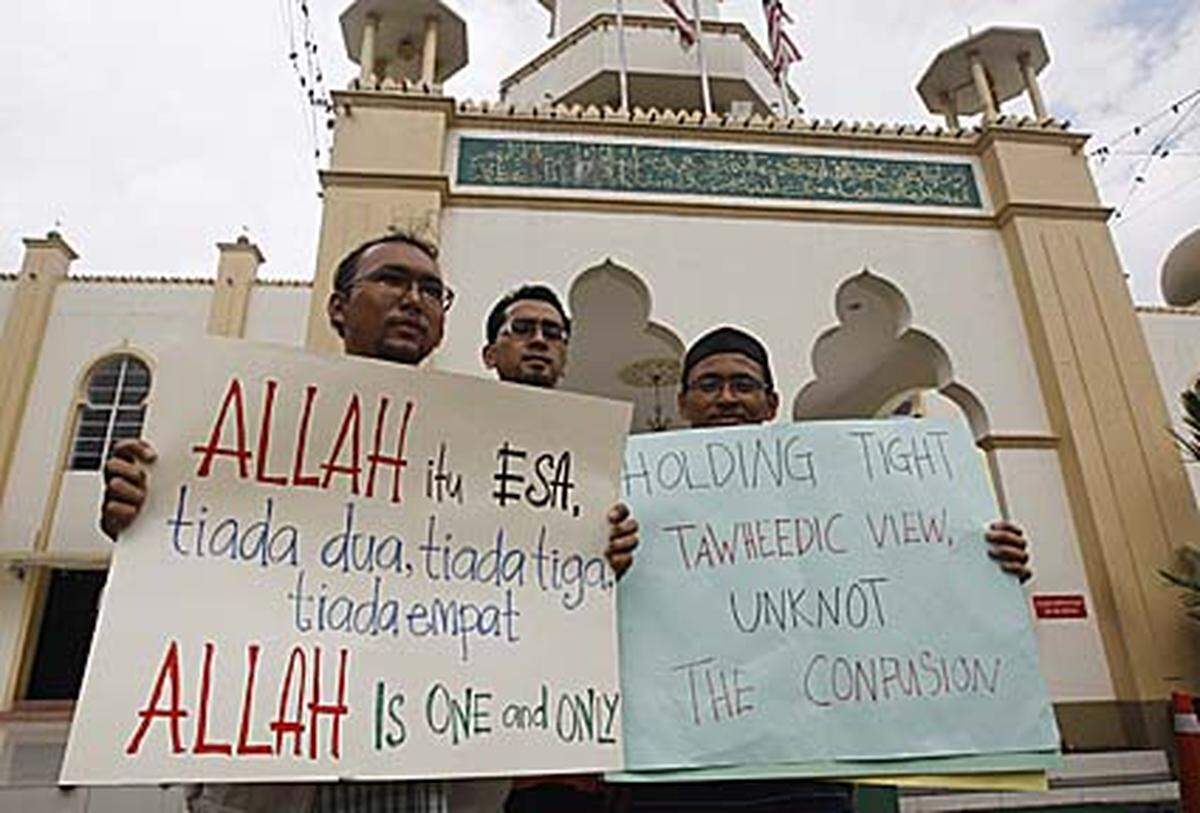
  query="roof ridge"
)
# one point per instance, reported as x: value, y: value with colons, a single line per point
x: 1193, y: 310
x: 654, y: 116
x: 164, y: 279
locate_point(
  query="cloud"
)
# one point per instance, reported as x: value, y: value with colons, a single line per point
x: 108, y: 99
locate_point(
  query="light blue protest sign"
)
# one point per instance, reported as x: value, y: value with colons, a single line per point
x: 846, y: 769
x: 819, y: 592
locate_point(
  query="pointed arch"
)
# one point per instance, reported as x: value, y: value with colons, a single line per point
x: 617, y: 349
x: 874, y: 359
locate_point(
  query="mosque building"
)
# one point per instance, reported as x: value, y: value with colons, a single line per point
x: 964, y: 269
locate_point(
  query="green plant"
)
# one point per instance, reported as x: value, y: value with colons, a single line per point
x: 1186, y: 574
x: 1186, y: 577
x: 1190, y: 443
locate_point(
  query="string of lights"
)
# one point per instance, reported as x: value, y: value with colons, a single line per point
x: 304, y: 57
x: 1165, y: 153
x: 1170, y: 193
x: 1105, y: 150
x: 1160, y: 150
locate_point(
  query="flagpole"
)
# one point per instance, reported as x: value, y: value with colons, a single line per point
x: 783, y: 94
x: 623, y: 55
x: 705, y: 91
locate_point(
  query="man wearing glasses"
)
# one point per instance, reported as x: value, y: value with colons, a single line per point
x: 727, y: 381
x: 527, y: 333
x: 388, y: 302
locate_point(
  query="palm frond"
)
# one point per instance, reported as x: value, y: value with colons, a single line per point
x: 1190, y: 442
x: 1185, y: 577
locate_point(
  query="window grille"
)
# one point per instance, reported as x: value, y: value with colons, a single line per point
x: 112, y: 409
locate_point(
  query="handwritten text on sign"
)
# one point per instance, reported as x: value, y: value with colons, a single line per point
x: 348, y: 568
x: 820, y: 591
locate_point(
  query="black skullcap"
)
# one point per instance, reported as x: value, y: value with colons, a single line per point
x: 728, y: 339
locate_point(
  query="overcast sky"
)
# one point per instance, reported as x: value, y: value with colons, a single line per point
x: 151, y: 130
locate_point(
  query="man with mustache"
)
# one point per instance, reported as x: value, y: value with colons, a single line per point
x: 527, y: 335
x: 527, y: 332
x: 388, y: 302
x: 727, y: 381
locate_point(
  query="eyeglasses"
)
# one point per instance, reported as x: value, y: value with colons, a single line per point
x: 401, y: 281
x: 739, y: 384
x: 526, y: 328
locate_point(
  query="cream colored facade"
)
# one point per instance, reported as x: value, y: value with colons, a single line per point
x: 970, y: 267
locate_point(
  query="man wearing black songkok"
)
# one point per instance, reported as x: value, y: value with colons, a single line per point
x: 727, y: 381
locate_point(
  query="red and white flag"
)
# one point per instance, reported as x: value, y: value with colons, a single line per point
x: 686, y: 25
x: 783, y: 50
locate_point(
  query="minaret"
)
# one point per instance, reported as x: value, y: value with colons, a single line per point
x: 387, y: 165
x: 414, y: 40
x: 1131, y: 503
x: 983, y: 72
x: 582, y: 66
x: 567, y: 15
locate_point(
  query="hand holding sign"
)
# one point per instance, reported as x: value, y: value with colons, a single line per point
x: 341, y: 572
x: 819, y: 592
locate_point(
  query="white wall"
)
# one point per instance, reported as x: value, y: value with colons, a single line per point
x: 7, y: 287
x: 13, y: 590
x: 90, y: 320
x: 1070, y: 650
x: 652, y: 51
x: 778, y: 279
x: 775, y: 277
x: 278, y: 314
x: 1174, y: 340
x: 572, y: 13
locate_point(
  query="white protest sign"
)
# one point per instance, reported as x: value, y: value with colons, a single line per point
x: 351, y: 569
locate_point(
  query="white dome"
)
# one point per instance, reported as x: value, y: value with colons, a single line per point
x: 1180, y: 280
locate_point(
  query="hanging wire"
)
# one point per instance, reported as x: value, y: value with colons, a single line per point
x: 1160, y: 151
x: 1166, y: 153
x: 1138, y: 129
x: 1170, y: 193
x: 304, y: 57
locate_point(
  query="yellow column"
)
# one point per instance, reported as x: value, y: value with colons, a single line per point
x: 429, y: 52
x: 1130, y: 498
x: 237, y: 270
x: 44, y: 266
x: 984, y: 90
x: 951, y: 111
x: 367, y: 52
x: 372, y: 188
x: 1032, y: 88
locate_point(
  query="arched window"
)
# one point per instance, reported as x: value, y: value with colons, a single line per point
x: 112, y: 408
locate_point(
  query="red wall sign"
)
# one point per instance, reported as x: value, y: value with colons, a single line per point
x: 1060, y: 605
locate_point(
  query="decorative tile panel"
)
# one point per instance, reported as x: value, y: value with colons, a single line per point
x: 631, y: 167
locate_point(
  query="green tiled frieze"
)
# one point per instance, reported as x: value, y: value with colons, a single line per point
x: 717, y: 172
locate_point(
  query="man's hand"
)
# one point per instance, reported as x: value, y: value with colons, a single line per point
x: 622, y: 538
x: 1007, y: 545
x: 125, y: 485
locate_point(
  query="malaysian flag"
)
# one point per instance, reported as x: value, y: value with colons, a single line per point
x: 783, y: 51
x: 686, y: 25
